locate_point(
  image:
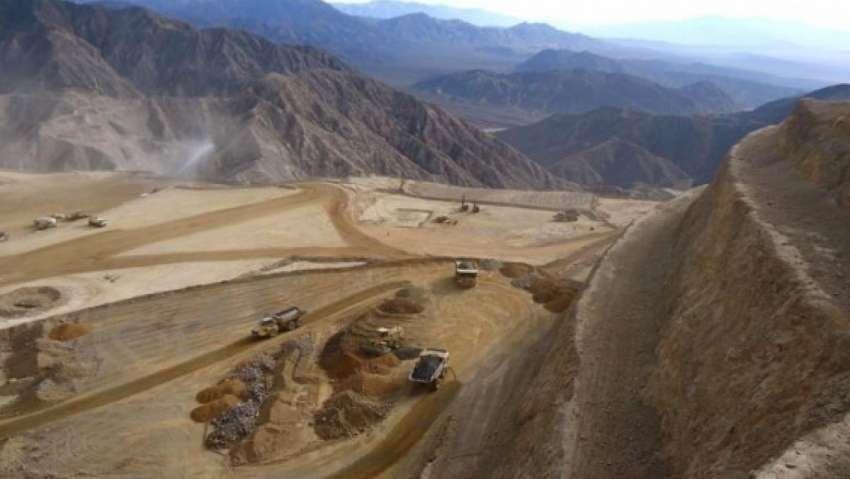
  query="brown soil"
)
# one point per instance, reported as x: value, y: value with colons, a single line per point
x: 515, y: 270
x: 402, y: 306
x: 208, y: 412
x: 378, y: 386
x: 413, y: 293
x: 227, y: 387
x: 29, y: 300
x: 68, y: 331
x: 347, y: 414
x: 562, y: 302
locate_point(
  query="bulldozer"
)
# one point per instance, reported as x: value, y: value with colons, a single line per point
x: 466, y: 274
x: 431, y: 368
x: 387, y: 340
x: 280, y: 322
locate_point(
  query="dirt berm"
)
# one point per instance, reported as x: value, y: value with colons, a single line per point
x: 712, y: 342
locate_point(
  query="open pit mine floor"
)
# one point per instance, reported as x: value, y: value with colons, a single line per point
x: 126, y: 351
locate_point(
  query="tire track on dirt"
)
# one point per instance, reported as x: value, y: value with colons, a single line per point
x: 98, y: 252
x: 403, y: 436
x: 118, y: 393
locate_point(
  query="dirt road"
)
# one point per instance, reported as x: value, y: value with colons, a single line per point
x: 117, y: 393
x: 99, y: 252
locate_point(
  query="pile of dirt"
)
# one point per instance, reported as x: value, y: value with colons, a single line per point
x: 335, y: 362
x: 227, y: 387
x: 406, y: 301
x: 376, y: 386
x: 401, y: 306
x: 28, y: 300
x: 38, y: 370
x: 515, y: 270
x: 414, y: 292
x: 555, y: 295
x: 214, y: 409
x: 347, y: 414
x: 250, y: 384
x: 68, y: 331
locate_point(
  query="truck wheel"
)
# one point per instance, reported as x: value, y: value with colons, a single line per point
x: 435, y: 385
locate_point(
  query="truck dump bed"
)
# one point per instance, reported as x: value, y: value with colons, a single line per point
x: 429, y: 367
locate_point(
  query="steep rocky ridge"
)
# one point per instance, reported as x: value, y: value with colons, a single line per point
x: 399, y: 50
x: 49, y: 44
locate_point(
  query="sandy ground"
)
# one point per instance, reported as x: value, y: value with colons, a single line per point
x: 505, y: 232
x: 170, y: 289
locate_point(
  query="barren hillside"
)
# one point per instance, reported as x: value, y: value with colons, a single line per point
x: 710, y: 343
x: 96, y: 88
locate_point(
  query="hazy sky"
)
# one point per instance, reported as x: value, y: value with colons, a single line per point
x: 827, y: 13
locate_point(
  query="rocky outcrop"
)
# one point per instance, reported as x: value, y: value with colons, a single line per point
x: 817, y: 139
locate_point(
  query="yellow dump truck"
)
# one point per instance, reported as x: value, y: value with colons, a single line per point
x: 280, y: 322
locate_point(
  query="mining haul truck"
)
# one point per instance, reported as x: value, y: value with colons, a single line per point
x: 466, y: 274
x: 277, y: 323
x: 431, y: 368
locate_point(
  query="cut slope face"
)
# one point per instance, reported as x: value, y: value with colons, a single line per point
x: 712, y: 341
x: 755, y: 353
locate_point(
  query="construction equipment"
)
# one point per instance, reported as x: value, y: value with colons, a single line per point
x: 466, y: 274
x: 464, y: 206
x: 566, y: 216
x: 387, y: 340
x: 44, y: 223
x: 280, y: 322
x: 97, y: 222
x: 431, y: 368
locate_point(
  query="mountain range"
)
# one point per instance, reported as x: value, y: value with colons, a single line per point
x: 400, y: 50
x: 392, y: 8
x: 484, y: 96
x: 746, y: 89
x: 90, y: 87
x: 696, y: 144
